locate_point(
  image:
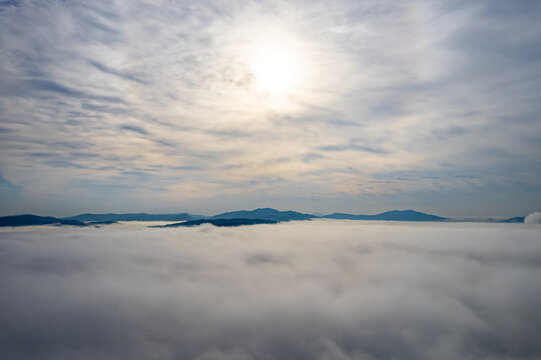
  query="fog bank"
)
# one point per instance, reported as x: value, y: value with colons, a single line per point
x: 533, y: 218
x: 300, y: 290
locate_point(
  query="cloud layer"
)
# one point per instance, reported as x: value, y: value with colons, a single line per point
x: 533, y: 218
x: 311, y: 290
x: 111, y: 104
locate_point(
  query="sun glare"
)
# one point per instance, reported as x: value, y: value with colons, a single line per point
x: 280, y: 68
x: 275, y: 70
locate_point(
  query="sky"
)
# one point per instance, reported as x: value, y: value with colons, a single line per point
x: 318, y: 290
x: 317, y: 106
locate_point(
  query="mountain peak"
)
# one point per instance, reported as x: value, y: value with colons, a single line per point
x: 264, y: 213
x: 392, y: 215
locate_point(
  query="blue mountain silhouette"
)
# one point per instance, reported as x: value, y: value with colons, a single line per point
x: 133, y: 217
x: 393, y: 215
x: 265, y: 213
x: 243, y: 217
x: 28, y: 220
x: 220, y: 222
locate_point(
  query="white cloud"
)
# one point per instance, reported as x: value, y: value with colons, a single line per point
x: 440, y: 91
x: 533, y: 218
x: 303, y: 290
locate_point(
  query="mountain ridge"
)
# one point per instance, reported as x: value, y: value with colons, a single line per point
x: 89, y: 219
x: 392, y: 215
x: 219, y: 222
x: 31, y: 220
x: 264, y: 213
x: 133, y: 217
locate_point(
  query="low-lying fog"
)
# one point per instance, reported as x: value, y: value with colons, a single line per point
x: 299, y: 290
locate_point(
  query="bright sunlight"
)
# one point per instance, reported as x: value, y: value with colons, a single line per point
x: 275, y: 69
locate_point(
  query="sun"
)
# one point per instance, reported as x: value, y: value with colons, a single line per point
x: 275, y: 69
x: 279, y: 67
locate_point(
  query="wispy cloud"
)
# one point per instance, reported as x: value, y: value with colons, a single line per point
x: 422, y: 87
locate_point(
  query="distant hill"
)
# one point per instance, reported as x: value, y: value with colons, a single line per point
x: 28, y: 220
x: 393, y: 215
x: 219, y: 222
x: 265, y: 213
x: 133, y: 217
x: 106, y: 222
x: 518, y: 219
x: 244, y: 217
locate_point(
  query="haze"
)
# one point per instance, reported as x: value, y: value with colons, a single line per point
x: 322, y: 289
x: 210, y: 106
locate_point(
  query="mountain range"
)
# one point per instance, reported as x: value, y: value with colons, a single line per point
x: 264, y: 213
x: 29, y: 220
x: 135, y: 217
x: 261, y: 215
x: 395, y: 215
x: 219, y: 222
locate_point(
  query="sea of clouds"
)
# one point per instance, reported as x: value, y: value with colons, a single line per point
x: 299, y: 290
